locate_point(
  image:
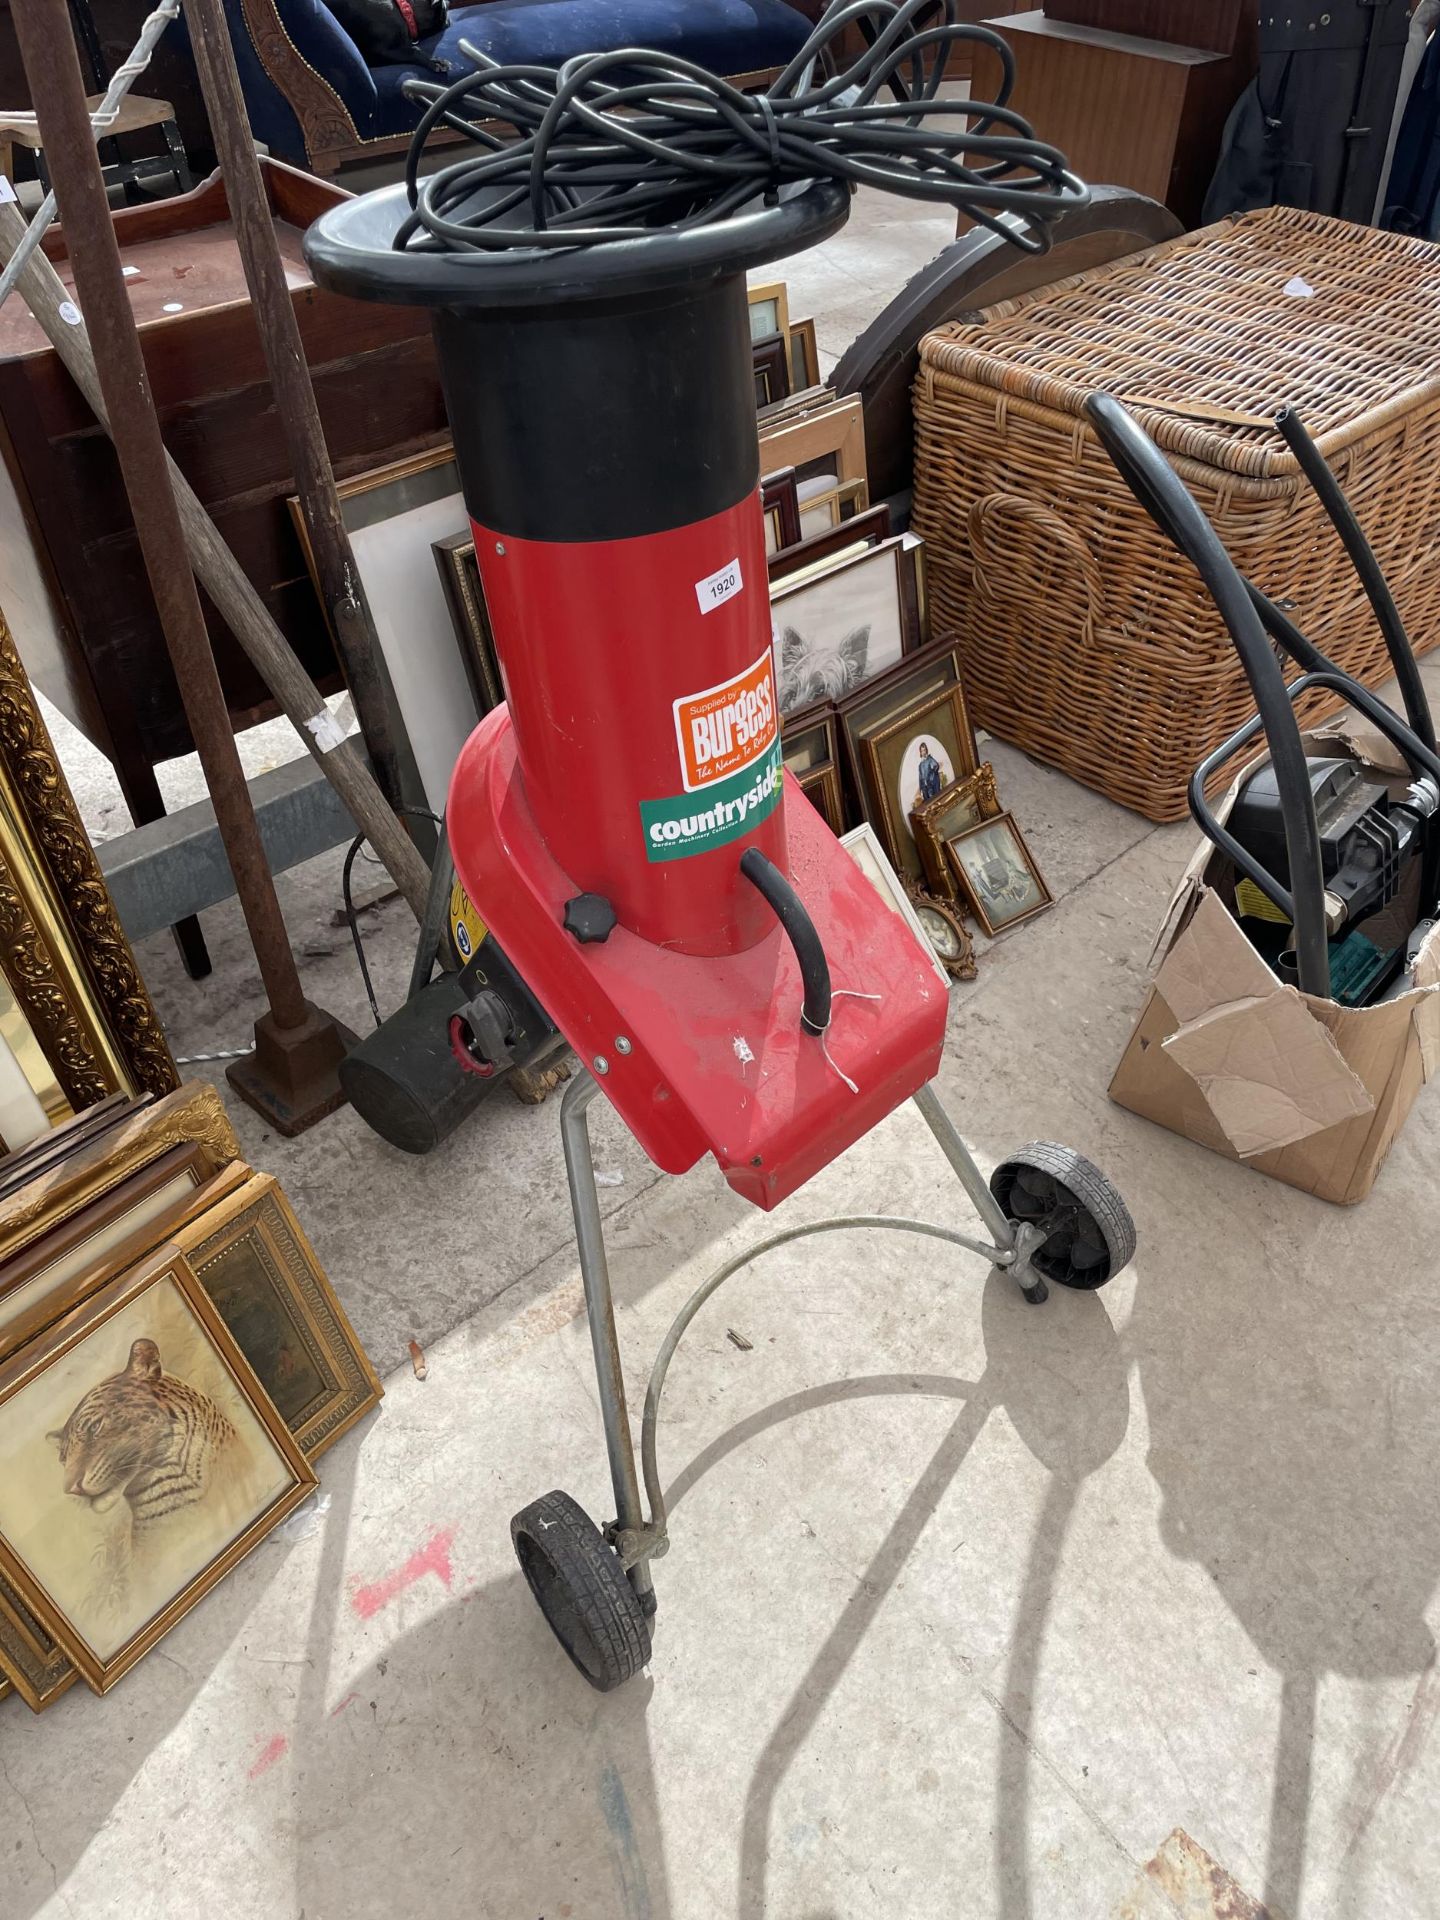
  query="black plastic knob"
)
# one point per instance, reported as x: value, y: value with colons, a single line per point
x: 590, y: 917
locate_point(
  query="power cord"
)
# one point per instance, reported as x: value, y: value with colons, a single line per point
x: 622, y: 145
x: 347, y: 894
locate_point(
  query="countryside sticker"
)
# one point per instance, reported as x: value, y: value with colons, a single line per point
x: 727, y: 728
x: 698, y: 822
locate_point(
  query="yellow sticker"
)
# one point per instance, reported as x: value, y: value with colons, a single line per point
x: 467, y: 929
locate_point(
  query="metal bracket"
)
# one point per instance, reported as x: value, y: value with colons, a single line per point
x: 1029, y: 1236
x: 634, y: 1544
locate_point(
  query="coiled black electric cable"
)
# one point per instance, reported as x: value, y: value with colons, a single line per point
x: 623, y: 145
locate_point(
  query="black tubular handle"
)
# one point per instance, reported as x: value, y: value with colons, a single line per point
x: 1164, y: 496
x: 1316, y: 469
x: 766, y: 878
x: 1422, y: 755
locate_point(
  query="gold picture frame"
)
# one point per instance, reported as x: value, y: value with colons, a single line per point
x: 105, y: 1594
x: 64, y: 956
x: 996, y: 870
x: 823, y: 511
x: 465, y: 593
x: 769, y: 311
x: 947, y: 933
x: 240, y: 1239
x: 804, y: 355
x: 194, y: 1112
x: 57, y: 1271
x: 264, y: 1279
x: 964, y: 803
x: 30, y: 1661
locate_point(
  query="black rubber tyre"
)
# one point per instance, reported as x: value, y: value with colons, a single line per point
x: 582, y: 1590
x: 1090, y: 1237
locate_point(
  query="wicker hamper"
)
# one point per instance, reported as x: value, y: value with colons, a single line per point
x: 1087, y: 640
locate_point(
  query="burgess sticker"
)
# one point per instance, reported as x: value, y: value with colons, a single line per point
x: 728, y: 728
x: 698, y: 822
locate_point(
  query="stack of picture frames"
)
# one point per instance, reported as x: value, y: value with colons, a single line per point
x: 173, y: 1361
x: 873, y: 717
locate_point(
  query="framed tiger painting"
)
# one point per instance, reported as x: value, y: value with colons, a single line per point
x: 140, y: 1460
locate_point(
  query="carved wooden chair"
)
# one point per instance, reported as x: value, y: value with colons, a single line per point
x: 314, y: 102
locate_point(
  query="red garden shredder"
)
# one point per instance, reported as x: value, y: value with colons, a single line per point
x: 726, y: 974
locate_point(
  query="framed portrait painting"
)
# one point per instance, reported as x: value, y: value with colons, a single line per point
x: 909, y: 761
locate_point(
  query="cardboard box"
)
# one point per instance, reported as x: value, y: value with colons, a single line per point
x: 1306, y: 1091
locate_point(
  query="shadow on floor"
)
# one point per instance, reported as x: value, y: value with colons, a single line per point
x: 1295, y: 1438
x: 122, y: 1732
x: 1059, y: 1375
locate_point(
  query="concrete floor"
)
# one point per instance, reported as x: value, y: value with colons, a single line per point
x: 1119, y: 1609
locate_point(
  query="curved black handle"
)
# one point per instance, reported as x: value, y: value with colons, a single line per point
x: 766, y: 878
x: 1169, y: 503
x: 1317, y: 471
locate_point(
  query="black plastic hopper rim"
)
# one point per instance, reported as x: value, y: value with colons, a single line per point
x: 350, y: 249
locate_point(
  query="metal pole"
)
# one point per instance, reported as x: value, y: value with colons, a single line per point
x: 595, y: 1271
x: 284, y: 351
x: 225, y: 580
x: 47, y: 46
x: 971, y: 1178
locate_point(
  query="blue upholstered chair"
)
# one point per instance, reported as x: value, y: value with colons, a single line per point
x: 314, y: 102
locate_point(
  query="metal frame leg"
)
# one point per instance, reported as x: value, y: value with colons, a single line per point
x: 1021, y: 1242
x: 599, y: 1306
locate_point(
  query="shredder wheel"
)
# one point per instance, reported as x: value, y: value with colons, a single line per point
x: 582, y: 1590
x: 1091, y: 1237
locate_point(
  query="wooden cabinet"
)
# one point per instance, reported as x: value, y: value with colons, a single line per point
x: 71, y: 576
x: 1126, y: 110
x: 1218, y: 26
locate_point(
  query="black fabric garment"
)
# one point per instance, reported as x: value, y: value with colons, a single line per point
x: 1312, y: 129
x: 1412, y: 203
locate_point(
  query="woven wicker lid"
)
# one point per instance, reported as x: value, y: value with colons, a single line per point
x: 1208, y: 337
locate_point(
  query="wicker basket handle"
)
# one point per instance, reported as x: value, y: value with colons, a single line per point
x: 1025, y: 553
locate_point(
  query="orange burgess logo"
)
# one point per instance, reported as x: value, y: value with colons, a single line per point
x: 727, y: 728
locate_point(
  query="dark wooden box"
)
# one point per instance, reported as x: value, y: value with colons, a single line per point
x: 97, y: 649
x: 1214, y: 25
x: 1124, y: 110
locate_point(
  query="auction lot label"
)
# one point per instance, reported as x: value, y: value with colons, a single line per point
x: 727, y: 728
